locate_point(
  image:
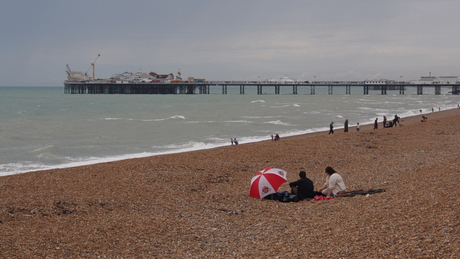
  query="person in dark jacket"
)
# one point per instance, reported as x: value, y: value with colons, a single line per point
x: 303, y: 187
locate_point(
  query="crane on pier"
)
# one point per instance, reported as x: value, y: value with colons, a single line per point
x: 92, y: 65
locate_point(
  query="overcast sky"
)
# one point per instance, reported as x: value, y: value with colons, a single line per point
x: 229, y: 40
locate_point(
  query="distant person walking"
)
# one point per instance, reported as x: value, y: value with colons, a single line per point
x: 384, y: 121
x: 345, y: 127
x: 357, y: 126
x: 376, y: 125
x: 331, y: 128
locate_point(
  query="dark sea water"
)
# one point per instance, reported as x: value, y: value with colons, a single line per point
x: 43, y: 128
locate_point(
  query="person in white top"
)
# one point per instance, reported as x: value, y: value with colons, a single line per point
x: 334, y: 183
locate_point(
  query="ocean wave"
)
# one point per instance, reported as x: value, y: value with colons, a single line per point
x: 279, y: 106
x: 278, y: 122
x: 258, y: 101
x: 238, y: 121
x: 23, y: 167
x: 261, y: 117
x: 177, y: 117
x: 146, y: 120
x: 42, y: 148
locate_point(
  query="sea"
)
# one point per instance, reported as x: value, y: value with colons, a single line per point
x: 43, y: 128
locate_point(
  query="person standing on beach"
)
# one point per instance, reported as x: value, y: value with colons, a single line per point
x: 331, y: 128
x: 345, y: 127
x: 396, y: 119
x: 334, y: 183
x: 376, y: 125
x: 357, y: 126
x: 303, y: 187
x: 384, y: 121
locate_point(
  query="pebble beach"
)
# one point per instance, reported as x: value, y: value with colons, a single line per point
x: 197, y: 205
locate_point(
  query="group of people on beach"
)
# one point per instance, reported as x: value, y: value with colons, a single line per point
x: 276, y: 137
x: 304, y: 187
x: 386, y: 124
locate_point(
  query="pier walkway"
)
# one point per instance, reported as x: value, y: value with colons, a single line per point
x: 104, y: 87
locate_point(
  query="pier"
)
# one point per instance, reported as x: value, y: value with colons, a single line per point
x: 105, y: 87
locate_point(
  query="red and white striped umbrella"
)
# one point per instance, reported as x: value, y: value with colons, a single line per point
x: 267, y: 182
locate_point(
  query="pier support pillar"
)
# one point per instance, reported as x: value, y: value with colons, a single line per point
x: 259, y: 89
x: 329, y: 89
x: 294, y: 89
x: 366, y: 89
x: 277, y: 89
x: 312, y: 89
x: 401, y: 89
x: 383, y: 89
x: 437, y: 89
x: 347, y: 89
x: 419, y: 89
x: 224, y: 89
x: 241, y: 89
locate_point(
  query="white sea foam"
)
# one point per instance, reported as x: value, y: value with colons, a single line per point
x: 177, y: 117
x: 279, y: 106
x: 238, y: 121
x: 42, y: 148
x: 278, y: 122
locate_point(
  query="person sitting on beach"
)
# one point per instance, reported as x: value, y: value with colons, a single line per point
x: 334, y: 183
x: 277, y: 137
x: 303, y: 187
